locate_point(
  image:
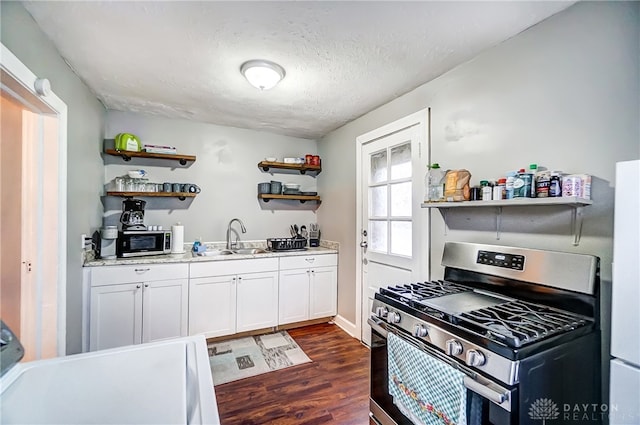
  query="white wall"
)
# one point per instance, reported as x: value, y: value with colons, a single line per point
x: 225, y: 169
x: 23, y: 37
x: 563, y: 94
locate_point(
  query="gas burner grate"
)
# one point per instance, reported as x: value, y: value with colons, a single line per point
x: 518, y: 323
x: 419, y: 291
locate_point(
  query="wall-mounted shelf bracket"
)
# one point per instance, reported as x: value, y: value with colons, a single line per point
x: 576, y: 224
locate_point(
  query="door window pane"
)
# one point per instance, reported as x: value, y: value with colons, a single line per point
x: 401, y: 238
x: 401, y: 162
x: 379, y: 167
x: 378, y: 201
x: 401, y: 199
x: 378, y: 236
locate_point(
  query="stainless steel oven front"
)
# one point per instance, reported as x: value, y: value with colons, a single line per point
x: 499, y: 405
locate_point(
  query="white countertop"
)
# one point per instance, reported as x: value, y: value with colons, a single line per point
x: 327, y: 247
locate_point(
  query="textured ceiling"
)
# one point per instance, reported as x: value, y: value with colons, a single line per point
x: 342, y: 59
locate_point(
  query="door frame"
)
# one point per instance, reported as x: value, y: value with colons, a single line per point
x: 26, y: 79
x: 420, y: 120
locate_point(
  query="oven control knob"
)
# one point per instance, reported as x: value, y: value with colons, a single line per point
x: 475, y: 358
x: 420, y: 330
x: 393, y: 317
x: 454, y: 348
x: 382, y: 312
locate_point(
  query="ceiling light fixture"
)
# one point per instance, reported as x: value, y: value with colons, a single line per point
x: 262, y: 74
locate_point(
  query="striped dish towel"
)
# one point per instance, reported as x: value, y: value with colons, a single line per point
x: 426, y: 390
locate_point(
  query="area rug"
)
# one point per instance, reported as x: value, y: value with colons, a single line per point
x: 249, y: 356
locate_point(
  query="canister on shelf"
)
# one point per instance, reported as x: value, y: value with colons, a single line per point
x: 555, y: 185
x: 499, y: 190
x: 543, y: 180
x: 486, y: 190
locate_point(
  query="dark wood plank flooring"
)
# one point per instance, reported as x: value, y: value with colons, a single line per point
x: 332, y: 389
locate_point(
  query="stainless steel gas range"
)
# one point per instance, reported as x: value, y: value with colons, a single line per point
x: 509, y: 336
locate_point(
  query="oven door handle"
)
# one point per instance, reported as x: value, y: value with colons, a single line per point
x: 484, y: 391
x: 374, y: 322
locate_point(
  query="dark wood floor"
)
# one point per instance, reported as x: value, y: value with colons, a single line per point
x: 332, y: 389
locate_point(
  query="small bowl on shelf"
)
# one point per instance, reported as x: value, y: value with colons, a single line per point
x: 291, y: 186
x: 271, y: 159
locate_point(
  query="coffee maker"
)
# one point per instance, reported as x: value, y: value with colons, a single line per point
x: 132, y: 217
x: 105, y: 242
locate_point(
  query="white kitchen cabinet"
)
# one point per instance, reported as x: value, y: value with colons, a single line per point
x: 294, y: 296
x: 308, y: 287
x: 228, y: 297
x: 257, y: 301
x: 212, y: 306
x: 323, y: 301
x: 131, y: 305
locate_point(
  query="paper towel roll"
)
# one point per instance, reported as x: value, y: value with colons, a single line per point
x: 177, y: 239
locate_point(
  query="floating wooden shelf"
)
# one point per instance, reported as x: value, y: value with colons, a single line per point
x: 302, y: 198
x: 180, y: 195
x: 281, y: 167
x: 127, y: 155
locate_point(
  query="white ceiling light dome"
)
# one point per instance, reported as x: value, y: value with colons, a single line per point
x: 262, y: 74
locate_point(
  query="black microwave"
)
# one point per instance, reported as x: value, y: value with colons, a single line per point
x: 137, y: 243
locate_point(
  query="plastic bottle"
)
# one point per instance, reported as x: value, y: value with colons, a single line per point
x: 511, y: 177
x: 499, y: 190
x: 555, y: 185
x: 434, y: 183
x: 486, y: 190
x: 533, y: 170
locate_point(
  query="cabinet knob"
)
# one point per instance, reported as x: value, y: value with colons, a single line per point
x: 146, y: 285
x: 138, y: 286
x: 142, y: 270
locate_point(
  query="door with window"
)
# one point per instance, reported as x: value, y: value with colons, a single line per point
x: 391, y: 226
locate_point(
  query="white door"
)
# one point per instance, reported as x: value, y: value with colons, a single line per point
x: 324, y: 288
x: 257, y: 301
x: 212, y: 306
x: 164, y: 309
x: 116, y: 316
x: 33, y: 221
x: 391, y: 171
x: 294, y: 296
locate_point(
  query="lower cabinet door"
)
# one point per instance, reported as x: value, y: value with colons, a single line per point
x: 294, y: 296
x: 212, y: 306
x: 257, y: 301
x: 324, y: 292
x: 116, y: 316
x: 164, y: 309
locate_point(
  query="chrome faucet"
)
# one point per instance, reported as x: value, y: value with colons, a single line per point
x: 231, y: 245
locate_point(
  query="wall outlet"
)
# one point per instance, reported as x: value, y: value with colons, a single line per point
x: 83, y: 238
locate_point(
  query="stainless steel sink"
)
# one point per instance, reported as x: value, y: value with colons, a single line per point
x: 213, y: 253
x: 249, y: 251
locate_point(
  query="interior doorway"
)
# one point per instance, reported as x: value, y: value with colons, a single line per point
x: 391, y: 225
x: 33, y: 210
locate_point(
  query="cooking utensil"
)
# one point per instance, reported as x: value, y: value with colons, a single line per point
x: 303, y: 231
x: 295, y: 227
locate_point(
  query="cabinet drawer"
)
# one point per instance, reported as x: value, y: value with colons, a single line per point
x: 226, y: 267
x: 306, y: 261
x: 109, y: 275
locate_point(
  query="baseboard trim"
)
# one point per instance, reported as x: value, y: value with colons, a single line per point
x: 346, y: 326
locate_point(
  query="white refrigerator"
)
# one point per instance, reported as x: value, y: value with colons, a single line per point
x: 624, y: 398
